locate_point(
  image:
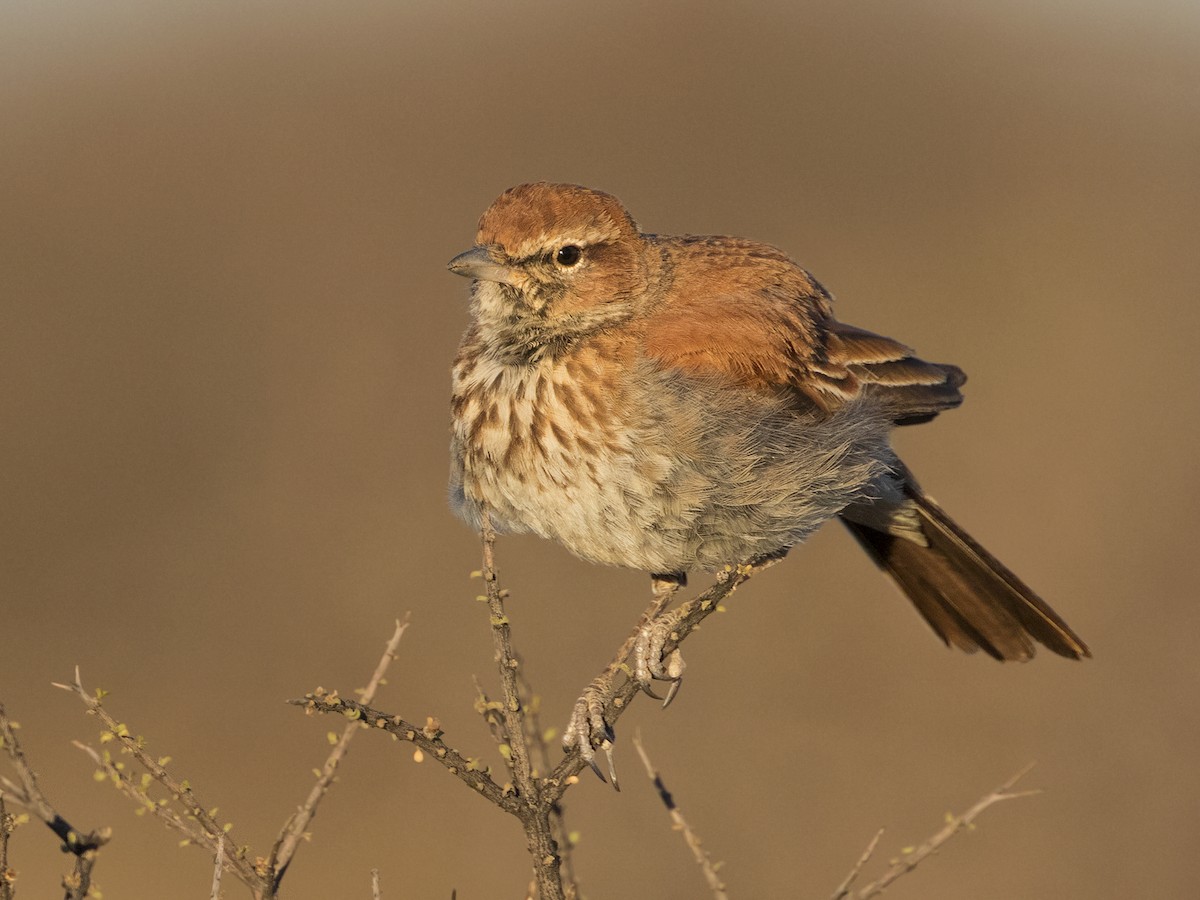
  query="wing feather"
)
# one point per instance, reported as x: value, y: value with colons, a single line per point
x: 746, y: 312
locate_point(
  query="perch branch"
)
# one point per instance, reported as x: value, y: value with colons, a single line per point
x: 533, y: 808
x: 540, y: 739
x: 511, y: 711
x: 690, y: 615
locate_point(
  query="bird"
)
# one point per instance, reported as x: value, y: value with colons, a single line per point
x: 673, y: 403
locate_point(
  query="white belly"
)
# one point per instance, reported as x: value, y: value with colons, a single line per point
x: 552, y: 460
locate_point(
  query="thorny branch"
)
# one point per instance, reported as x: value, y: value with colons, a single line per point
x: 512, y: 710
x: 293, y: 830
x: 540, y: 739
x: 533, y: 809
x: 911, y: 859
x: 707, y: 868
x: 533, y: 800
x: 843, y: 889
x: 85, y: 847
x: 8, y: 823
x: 197, y: 823
x: 218, y: 869
x: 427, y: 738
x: 539, y: 742
x: 532, y: 797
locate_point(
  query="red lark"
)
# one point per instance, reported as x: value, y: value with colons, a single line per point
x: 670, y: 403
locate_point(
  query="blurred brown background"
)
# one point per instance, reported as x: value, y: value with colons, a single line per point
x: 225, y: 333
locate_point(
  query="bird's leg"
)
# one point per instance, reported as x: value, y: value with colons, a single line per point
x: 649, y: 638
x: 649, y: 661
x: 587, y: 729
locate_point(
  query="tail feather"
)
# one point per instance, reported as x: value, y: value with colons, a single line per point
x: 970, y: 599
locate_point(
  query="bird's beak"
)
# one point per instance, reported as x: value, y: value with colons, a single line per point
x: 478, y: 263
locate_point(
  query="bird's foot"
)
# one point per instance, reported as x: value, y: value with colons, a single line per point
x: 588, y: 730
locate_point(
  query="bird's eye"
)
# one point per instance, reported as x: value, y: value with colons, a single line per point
x: 568, y: 255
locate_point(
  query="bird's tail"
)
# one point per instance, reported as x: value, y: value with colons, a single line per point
x: 969, y: 598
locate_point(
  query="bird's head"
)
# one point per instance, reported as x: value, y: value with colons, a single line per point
x: 555, y: 261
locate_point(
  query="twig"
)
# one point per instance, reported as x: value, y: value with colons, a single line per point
x: 205, y: 831
x: 843, y: 889
x: 715, y: 885
x: 124, y: 782
x: 8, y: 823
x: 954, y: 824
x: 428, y: 739
x: 376, y: 894
x: 78, y: 885
x: 85, y: 847
x: 29, y: 795
x: 218, y: 868
x: 491, y: 710
x: 296, y: 825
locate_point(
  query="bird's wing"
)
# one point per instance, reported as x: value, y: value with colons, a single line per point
x: 757, y: 318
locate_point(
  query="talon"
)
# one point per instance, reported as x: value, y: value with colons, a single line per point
x: 595, y: 768
x: 672, y: 691
x: 648, y: 691
x: 612, y: 769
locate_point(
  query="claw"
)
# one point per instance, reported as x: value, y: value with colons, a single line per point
x: 612, y: 769
x: 645, y: 688
x: 577, y: 736
x: 595, y: 768
x: 672, y: 691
